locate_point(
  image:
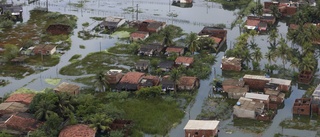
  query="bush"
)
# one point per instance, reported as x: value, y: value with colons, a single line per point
x: 6, y: 24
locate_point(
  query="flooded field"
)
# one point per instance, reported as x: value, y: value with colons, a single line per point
x: 190, y: 19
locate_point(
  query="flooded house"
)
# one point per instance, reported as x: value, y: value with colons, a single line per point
x: 263, y: 98
x: 231, y: 63
x: 174, y: 50
x: 130, y: 81
x: 19, y: 124
x: 282, y: 84
x: 252, y: 23
x: 149, y: 81
x: 315, y: 98
x: 218, y: 34
x: 142, y: 65
x: 59, y: 29
x: 139, y: 35
x: 188, y: 83
x: 302, y: 106
x: 276, y: 96
x: 167, y: 84
x: 24, y: 98
x: 166, y: 65
x: 184, y: 61
x: 72, y: 89
x: 183, y: 1
x: 153, y: 49
x: 256, y: 81
x: 112, y: 23
x: 151, y: 26
x: 235, y: 88
x: 201, y: 128
x: 15, y: 10
x: 285, y: 8
x: 247, y: 108
x: 78, y: 130
x: 114, y: 76
x: 44, y: 49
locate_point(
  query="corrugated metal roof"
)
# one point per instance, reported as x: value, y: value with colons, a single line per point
x: 201, y: 125
x: 256, y: 77
x: 280, y: 81
x: 257, y: 96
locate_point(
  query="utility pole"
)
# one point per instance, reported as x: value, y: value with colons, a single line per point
x: 47, y: 6
x: 137, y: 12
x: 132, y: 10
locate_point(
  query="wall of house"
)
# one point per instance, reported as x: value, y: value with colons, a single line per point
x: 201, y: 133
x: 301, y: 110
x: 255, y: 83
x: 284, y: 88
x: 230, y: 67
x: 243, y: 113
x: 236, y: 95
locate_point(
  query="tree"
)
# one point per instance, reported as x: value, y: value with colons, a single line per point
x: 99, y: 121
x: 101, y: 81
x: 167, y: 36
x: 174, y: 76
x: 272, y: 39
x: 257, y: 55
x: 246, y: 56
x: 192, y: 42
x: 45, y: 108
x: 7, y: 15
x: 282, y: 50
x: 207, y: 43
x: 64, y: 104
x: 270, y: 56
x: 10, y: 51
x: 308, y: 62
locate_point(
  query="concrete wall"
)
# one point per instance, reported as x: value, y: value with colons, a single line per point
x: 255, y: 83
x: 201, y: 133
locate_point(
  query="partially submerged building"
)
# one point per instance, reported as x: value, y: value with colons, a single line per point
x: 201, y: 128
x: 247, y: 108
x: 231, y: 63
x: 235, y: 88
x: 302, y: 106
x: 72, y: 89
x: 260, y: 81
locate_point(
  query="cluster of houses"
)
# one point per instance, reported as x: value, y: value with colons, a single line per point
x: 308, y: 105
x: 286, y: 8
x: 255, y: 105
x: 15, y: 119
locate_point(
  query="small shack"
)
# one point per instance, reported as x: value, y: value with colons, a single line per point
x: 302, y: 106
x: 232, y: 83
x: 283, y: 84
x: 201, y: 128
x: 236, y: 93
x: 231, y: 63
x: 188, y: 83
x: 68, y: 88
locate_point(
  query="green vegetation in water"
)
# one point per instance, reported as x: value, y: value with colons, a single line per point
x: 53, y: 81
x: 232, y: 4
x: 98, y: 18
x: 45, y: 60
x: 301, y: 123
x: 85, y: 80
x: 121, y: 34
x: 25, y: 90
x: 94, y: 63
x: 215, y: 108
x: 75, y: 58
x: 82, y: 46
x: 251, y: 125
x: 86, y: 24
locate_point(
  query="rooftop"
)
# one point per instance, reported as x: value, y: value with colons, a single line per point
x: 233, y: 82
x: 139, y: 34
x: 13, y: 107
x: 238, y: 90
x: 66, y: 87
x: 248, y: 104
x: 22, y: 122
x: 257, y: 96
x: 258, y: 77
x: 280, y: 81
x: 186, y: 80
x: 187, y: 60
x: 201, y: 125
x: 174, y: 49
x: 79, y: 130
x: 131, y: 77
x: 231, y: 61
x: 21, y: 97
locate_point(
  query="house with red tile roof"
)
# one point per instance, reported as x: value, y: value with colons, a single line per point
x: 12, y: 107
x: 151, y: 26
x: 22, y: 123
x: 68, y: 88
x: 174, y: 50
x: 25, y: 98
x: 79, y: 130
x: 139, y: 35
x: 130, y: 81
x: 219, y: 35
x: 185, y: 61
x: 188, y: 83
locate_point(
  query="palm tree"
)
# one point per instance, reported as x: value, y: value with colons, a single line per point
x: 192, y: 42
x: 270, y: 56
x: 45, y: 108
x: 246, y: 56
x: 168, y: 36
x: 273, y: 38
x: 282, y: 50
x: 294, y: 62
x: 257, y: 55
x: 174, y: 76
x: 99, y: 121
x: 101, y: 81
x: 64, y: 104
x: 308, y: 62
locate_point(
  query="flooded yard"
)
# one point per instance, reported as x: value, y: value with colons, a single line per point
x: 191, y: 19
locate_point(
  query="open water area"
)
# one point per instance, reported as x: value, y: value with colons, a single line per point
x: 191, y: 19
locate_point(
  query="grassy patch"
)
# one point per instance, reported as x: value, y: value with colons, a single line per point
x: 152, y: 116
x: 85, y: 80
x: 16, y: 71
x: 98, y: 18
x: 215, y: 109
x: 46, y: 61
x: 24, y: 90
x: 96, y: 62
x: 251, y: 125
x: 74, y: 57
x: 301, y: 123
x: 53, y: 81
x: 120, y: 48
x: 121, y: 34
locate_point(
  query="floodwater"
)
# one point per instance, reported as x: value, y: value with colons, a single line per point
x: 191, y: 19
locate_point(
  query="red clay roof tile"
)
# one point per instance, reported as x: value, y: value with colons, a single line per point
x: 79, y: 130
x: 20, y: 97
x: 188, y: 60
x: 131, y: 77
